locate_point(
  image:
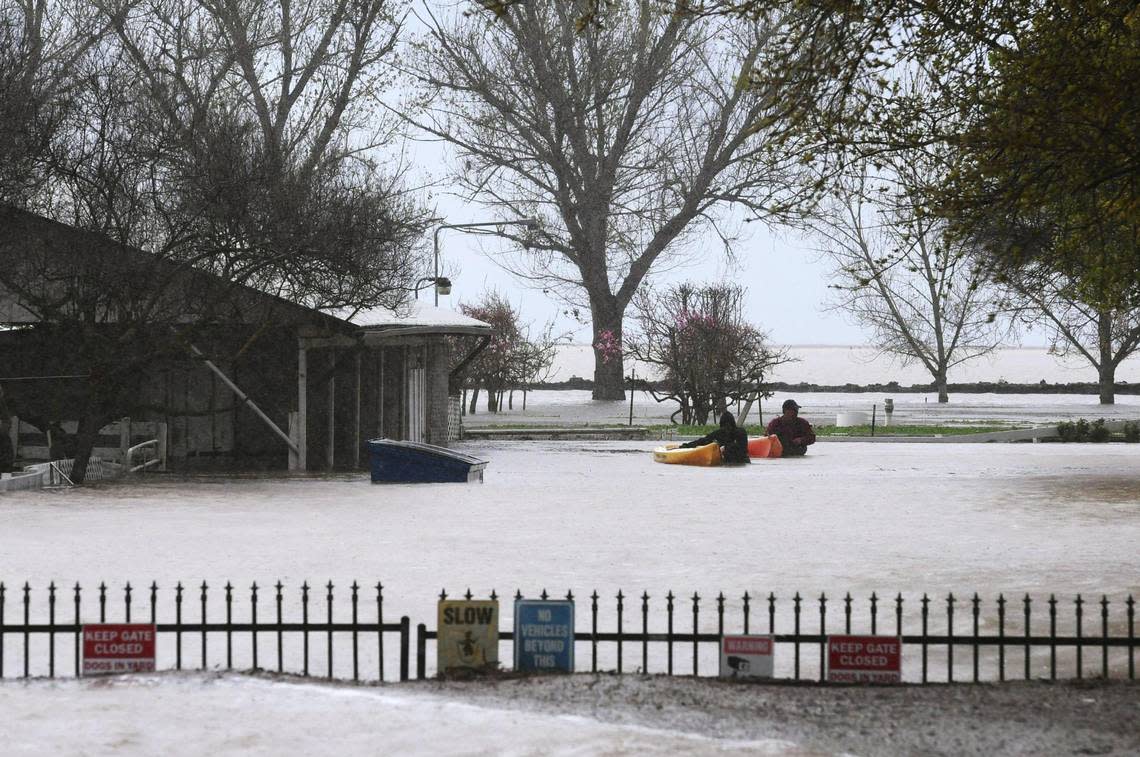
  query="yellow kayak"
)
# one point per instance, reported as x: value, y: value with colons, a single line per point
x: 709, y: 454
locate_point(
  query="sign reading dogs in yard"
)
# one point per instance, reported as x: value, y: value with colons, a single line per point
x: 468, y: 634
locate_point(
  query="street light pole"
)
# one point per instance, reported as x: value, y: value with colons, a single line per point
x: 530, y: 223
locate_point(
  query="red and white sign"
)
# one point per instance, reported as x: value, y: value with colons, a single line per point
x: 746, y: 656
x: 864, y: 659
x: 118, y: 648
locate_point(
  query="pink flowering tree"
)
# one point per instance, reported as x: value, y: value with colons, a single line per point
x: 514, y: 358
x: 707, y: 357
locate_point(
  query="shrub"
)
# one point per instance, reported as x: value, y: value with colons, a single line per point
x: 1067, y: 431
x: 1132, y: 432
x: 1098, y: 433
x: 1082, y: 430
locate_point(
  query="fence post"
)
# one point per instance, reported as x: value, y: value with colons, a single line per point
x: 1080, y: 647
x: 669, y: 632
x: 421, y: 650
x: 976, y: 602
x: 280, y: 664
x: 229, y: 626
x: 1104, y: 635
x: 796, y: 600
x: 27, y: 633
x: 355, y: 650
x: 1001, y: 637
x: 51, y: 630
x: 380, y: 633
x: 305, y: 626
x: 178, y: 626
x: 78, y: 627
x: 330, y: 633
x: 822, y: 635
x: 594, y: 631
x: 204, y: 588
x: 925, y: 618
x: 1052, y: 637
x: 253, y: 623
x: 645, y: 632
x: 696, y: 628
x: 950, y: 638
x: 2, y: 590
x: 1028, y: 646
x: 1131, y: 639
x: 620, y: 615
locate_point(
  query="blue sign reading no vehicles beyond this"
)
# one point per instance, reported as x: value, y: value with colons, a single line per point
x: 544, y: 635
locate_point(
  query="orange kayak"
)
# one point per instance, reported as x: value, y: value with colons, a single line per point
x: 706, y: 455
x: 765, y: 446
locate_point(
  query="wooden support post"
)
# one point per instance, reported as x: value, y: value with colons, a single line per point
x: 356, y: 433
x: 160, y: 435
x: 14, y: 435
x: 301, y: 435
x: 332, y: 410
x: 124, y: 439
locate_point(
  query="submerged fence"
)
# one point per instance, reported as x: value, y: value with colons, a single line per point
x: 944, y: 639
x: 187, y: 636
x: 688, y: 634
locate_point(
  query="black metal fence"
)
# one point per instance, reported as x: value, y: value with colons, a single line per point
x: 946, y: 635
x: 190, y: 635
x: 940, y: 635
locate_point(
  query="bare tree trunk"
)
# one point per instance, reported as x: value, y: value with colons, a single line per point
x: 609, y: 374
x: 85, y: 438
x: 940, y: 385
x: 1107, y: 373
x: 1107, y: 369
x: 474, y: 399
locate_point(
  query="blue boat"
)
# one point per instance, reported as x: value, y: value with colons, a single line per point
x: 415, y: 463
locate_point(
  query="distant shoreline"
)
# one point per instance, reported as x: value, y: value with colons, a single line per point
x: 977, y: 387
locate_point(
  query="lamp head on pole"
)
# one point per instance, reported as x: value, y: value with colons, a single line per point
x: 443, y: 285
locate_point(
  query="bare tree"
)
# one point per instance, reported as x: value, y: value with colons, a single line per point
x: 707, y: 355
x: 270, y: 114
x: 42, y: 45
x: 628, y: 137
x: 901, y: 274
x: 1102, y: 335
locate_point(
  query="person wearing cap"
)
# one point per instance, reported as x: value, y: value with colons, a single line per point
x: 732, y: 439
x: 794, y: 432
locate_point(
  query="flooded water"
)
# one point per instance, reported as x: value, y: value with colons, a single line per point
x: 853, y: 517
x: 837, y: 365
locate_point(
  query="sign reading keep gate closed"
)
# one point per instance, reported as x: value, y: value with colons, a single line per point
x: 468, y: 634
x: 864, y: 659
x: 118, y: 648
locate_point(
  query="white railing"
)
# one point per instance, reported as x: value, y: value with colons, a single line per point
x: 151, y: 444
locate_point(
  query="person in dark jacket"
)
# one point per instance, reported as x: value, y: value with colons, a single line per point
x: 794, y: 432
x: 732, y: 439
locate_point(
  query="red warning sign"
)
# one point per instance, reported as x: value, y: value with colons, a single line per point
x: 118, y: 648
x: 864, y: 659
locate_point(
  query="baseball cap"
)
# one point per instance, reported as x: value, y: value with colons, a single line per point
x: 791, y: 403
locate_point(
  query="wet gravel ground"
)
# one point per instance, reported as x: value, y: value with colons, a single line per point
x: 1017, y: 718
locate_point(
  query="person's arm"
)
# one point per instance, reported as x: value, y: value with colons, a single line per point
x: 708, y: 439
x: 772, y: 426
x: 806, y: 434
